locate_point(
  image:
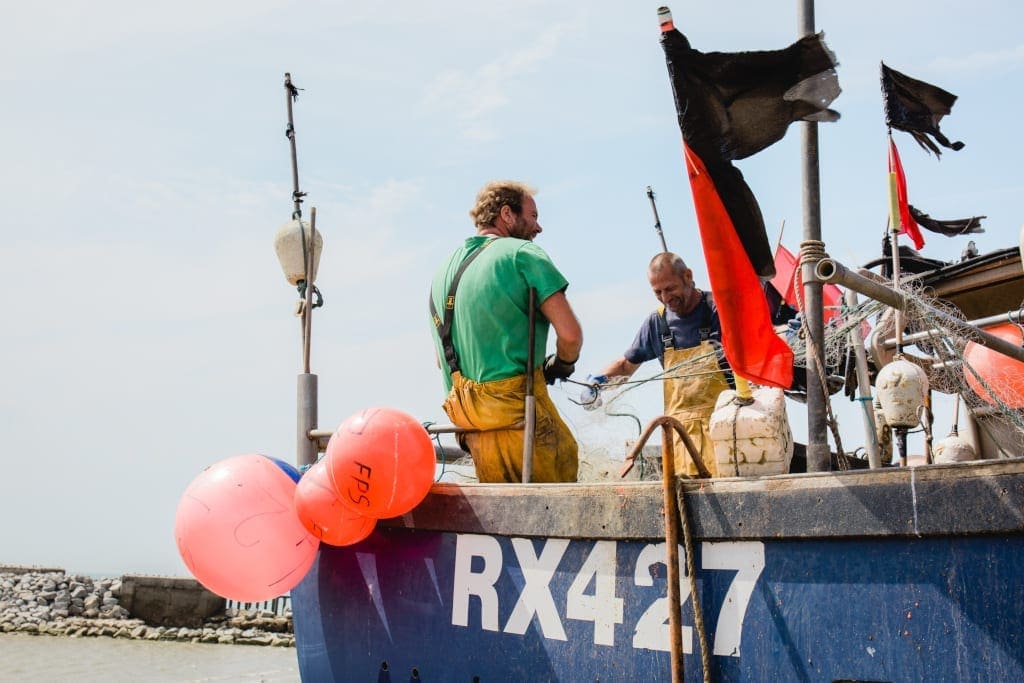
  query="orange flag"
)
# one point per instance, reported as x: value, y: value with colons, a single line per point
x: 751, y: 346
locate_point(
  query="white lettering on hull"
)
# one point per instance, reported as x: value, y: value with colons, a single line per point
x: 592, y: 594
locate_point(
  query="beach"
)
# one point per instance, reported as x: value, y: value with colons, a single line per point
x: 56, y: 626
x: 59, y: 658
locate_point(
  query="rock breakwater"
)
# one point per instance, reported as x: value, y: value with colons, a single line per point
x: 54, y: 603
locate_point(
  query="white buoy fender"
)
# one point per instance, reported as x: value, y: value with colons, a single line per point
x: 754, y: 438
x: 900, y: 389
x: 288, y: 245
x: 953, y: 449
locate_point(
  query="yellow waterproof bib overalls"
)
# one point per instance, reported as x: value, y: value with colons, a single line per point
x: 495, y: 411
x: 690, y: 394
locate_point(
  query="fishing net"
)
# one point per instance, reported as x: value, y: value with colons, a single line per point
x: 956, y: 362
x: 935, y: 337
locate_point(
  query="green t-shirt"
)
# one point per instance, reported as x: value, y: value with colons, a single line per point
x: 489, y: 331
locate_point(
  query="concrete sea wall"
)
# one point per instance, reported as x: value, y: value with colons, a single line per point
x: 48, y: 601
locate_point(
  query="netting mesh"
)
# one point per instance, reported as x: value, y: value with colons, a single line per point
x: 937, y: 332
x: 935, y: 338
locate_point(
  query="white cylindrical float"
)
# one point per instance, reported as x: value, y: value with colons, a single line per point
x: 900, y: 388
x: 754, y: 439
x: 288, y: 243
x: 953, y: 448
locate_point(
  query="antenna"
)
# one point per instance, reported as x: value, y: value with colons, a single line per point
x: 657, y: 219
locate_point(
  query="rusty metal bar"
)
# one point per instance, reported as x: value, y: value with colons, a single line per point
x: 674, y: 514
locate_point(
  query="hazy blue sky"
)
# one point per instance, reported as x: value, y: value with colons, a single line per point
x: 148, y: 330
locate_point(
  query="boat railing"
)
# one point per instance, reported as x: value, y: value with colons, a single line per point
x: 281, y: 606
x: 322, y: 436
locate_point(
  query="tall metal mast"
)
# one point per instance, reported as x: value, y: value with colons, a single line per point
x: 818, y: 459
x: 306, y: 446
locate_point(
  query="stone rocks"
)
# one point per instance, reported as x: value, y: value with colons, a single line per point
x: 50, y: 602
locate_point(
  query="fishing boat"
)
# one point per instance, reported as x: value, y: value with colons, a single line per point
x: 874, y: 573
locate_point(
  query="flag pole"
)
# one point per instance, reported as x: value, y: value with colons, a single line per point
x: 778, y: 242
x: 894, y: 243
x: 818, y: 457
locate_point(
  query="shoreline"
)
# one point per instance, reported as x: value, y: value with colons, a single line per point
x: 44, y: 601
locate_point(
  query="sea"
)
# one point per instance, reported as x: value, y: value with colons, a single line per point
x: 27, y: 658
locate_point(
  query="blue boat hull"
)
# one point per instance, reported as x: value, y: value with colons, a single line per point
x: 846, y: 604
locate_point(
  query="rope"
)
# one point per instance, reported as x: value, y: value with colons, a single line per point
x: 735, y: 439
x: 691, y: 570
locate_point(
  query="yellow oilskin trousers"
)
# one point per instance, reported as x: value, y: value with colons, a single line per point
x: 496, y: 409
x: 691, y: 400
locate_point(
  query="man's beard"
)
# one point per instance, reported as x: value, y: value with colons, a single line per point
x: 520, y: 230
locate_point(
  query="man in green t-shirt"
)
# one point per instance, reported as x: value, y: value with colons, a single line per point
x: 482, y: 339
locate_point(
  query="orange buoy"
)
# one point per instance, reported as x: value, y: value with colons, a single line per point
x: 1003, y: 375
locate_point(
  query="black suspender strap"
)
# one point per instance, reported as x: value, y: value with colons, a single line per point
x: 666, y: 333
x: 444, y: 326
x: 704, y: 329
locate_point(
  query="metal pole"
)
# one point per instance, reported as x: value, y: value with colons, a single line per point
x: 292, y: 94
x: 306, y: 403
x: 894, y: 247
x: 1009, y: 316
x: 657, y: 219
x: 830, y: 270
x: 530, y: 404
x: 864, y: 387
x: 307, y: 308
x: 671, y: 503
x: 818, y: 458
x: 306, y: 447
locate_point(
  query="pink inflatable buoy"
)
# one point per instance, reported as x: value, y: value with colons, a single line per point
x: 323, y: 515
x: 1004, y: 375
x: 238, y: 533
x: 381, y: 462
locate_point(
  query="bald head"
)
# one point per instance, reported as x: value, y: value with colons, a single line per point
x: 672, y: 283
x: 666, y: 260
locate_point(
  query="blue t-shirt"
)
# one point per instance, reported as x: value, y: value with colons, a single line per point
x: 686, y: 331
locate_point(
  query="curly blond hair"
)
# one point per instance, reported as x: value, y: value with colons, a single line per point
x: 495, y: 195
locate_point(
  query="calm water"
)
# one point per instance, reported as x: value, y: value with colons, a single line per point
x: 56, y: 658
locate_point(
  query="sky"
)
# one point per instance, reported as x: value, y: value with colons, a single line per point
x: 144, y: 170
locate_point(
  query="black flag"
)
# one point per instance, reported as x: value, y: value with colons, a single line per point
x: 961, y: 226
x: 731, y: 105
x: 917, y: 107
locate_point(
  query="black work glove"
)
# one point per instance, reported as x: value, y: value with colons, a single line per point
x: 556, y: 368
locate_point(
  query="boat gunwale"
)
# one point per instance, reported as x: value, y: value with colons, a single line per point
x: 982, y: 497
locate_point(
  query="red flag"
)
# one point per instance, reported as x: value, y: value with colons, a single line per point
x: 784, y: 281
x: 751, y: 346
x: 787, y: 280
x: 908, y: 225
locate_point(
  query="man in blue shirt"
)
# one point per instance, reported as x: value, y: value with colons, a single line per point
x: 685, y: 336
